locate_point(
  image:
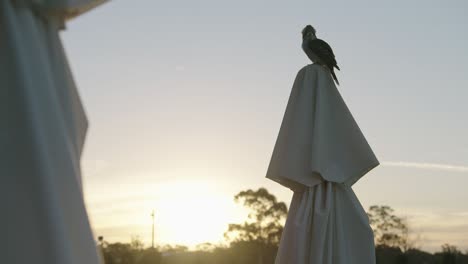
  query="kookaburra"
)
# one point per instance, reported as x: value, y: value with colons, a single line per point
x: 318, y: 50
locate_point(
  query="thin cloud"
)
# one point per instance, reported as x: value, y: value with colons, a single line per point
x: 429, y: 166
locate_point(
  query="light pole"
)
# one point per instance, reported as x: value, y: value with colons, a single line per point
x: 152, y: 230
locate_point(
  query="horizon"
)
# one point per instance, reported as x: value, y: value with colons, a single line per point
x: 185, y: 102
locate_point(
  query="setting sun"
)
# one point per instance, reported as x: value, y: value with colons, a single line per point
x: 190, y: 213
x: 186, y: 213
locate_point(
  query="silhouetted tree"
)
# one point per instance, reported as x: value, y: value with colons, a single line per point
x: 171, y: 249
x: 136, y: 243
x: 149, y: 256
x: 389, y: 229
x: 264, y: 225
x: 206, y: 247
x: 118, y: 253
x: 417, y: 256
x: 450, y: 254
x: 265, y: 218
x: 388, y: 255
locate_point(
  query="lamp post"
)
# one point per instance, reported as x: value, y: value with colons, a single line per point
x: 152, y: 230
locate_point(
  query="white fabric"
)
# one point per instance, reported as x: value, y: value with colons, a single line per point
x: 319, y: 154
x: 42, y: 131
x: 318, y: 136
x: 326, y: 224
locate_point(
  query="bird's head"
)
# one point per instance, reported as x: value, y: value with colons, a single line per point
x: 308, y: 31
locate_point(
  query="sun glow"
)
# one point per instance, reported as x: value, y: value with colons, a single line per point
x: 190, y: 213
x: 186, y: 213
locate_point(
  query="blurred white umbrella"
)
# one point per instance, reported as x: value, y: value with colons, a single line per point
x: 320, y: 152
x: 42, y: 130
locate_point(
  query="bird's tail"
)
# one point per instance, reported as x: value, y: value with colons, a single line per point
x: 334, y: 76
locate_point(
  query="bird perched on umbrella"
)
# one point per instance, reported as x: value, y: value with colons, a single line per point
x: 318, y: 50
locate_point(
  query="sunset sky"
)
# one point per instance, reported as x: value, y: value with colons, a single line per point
x: 185, y: 100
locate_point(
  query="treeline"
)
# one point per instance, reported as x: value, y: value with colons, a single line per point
x: 256, y: 240
x: 237, y: 253
x: 247, y: 253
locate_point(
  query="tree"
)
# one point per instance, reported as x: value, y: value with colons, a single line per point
x: 136, y: 243
x: 149, y: 256
x: 450, y: 254
x: 206, y: 247
x: 173, y: 248
x: 264, y: 224
x: 263, y: 228
x: 118, y: 253
x: 389, y: 229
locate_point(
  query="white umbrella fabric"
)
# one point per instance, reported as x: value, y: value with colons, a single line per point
x: 42, y: 131
x: 320, y: 153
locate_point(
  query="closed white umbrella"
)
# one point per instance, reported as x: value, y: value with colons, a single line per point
x: 319, y: 154
x: 42, y: 130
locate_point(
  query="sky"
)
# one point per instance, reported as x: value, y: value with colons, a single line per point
x: 185, y: 100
